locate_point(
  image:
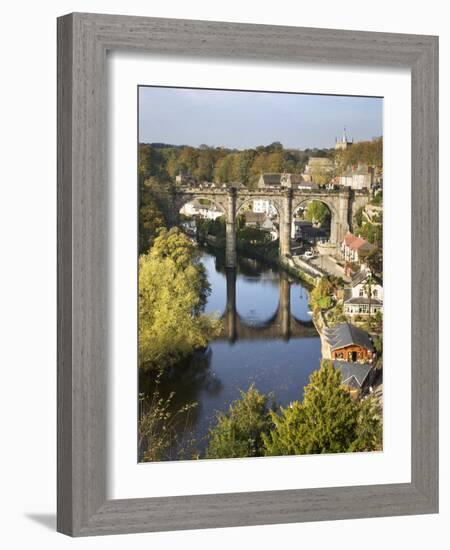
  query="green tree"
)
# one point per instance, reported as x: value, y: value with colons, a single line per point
x: 318, y: 212
x: 151, y: 220
x: 172, y: 292
x: 369, y: 427
x: 188, y: 160
x: 366, y: 152
x: 239, y: 432
x: 205, y: 165
x: 245, y: 162
x: 327, y: 421
x: 321, y: 296
x: 223, y: 171
x: 368, y: 284
x: 151, y: 163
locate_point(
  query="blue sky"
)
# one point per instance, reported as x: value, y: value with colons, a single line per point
x: 246, y: 119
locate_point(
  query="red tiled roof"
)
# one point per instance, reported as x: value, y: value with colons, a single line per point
x: 355, y: 243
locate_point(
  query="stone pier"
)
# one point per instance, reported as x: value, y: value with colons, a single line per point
x: 342, y: 203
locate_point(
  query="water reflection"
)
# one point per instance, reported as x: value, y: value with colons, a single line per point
x: 268, y: 340
x: 280, y: 324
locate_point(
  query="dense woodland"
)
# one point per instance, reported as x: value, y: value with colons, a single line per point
x: 222, y: 165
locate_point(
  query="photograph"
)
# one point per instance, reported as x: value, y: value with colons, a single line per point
x: 260, y: 274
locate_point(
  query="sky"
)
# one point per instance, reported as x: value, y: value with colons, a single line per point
x: 240, y: 120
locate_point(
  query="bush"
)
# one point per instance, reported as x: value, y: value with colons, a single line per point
x: 327, y: 421
x: 158, y: 425
x: 239, y: 432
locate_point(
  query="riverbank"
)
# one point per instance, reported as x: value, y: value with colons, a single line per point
x: 267, y: 347
x: 294, y: 267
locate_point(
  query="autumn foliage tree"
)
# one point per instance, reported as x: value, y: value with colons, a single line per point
x: 173, y: 288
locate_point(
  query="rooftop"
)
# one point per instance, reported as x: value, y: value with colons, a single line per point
x: 353, y: 372
x: 357, y: 243
x: 345, y: 334
x: 255, y: 217
x: 362, y: 300
x: 361, y: 275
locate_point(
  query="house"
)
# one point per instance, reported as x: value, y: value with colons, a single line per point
x: 264, y: 206
x: 319, y: 170
x: 183, y: 178
x: 269, y: 181
x: 313, y: 234
x: 349, y: 343
x: 304, y: 229
x: 196, y: 208
x: 298, y: 226
x: 296, y: 181
x: 364, y: 294
x: 189, y: 227
x: 308, y: 185
x: 254, y: 219
x: 276, y: 180
x: 270, y: 228
x: 359, y: 177
x: 353, y: 248
x: 355, y: 376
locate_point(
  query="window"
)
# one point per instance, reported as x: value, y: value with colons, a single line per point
x: 375, y: 293
x: 361, y: 292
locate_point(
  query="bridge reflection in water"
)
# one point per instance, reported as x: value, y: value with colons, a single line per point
x: 281, y: 325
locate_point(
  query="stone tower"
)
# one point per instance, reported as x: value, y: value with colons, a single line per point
x: 343, y: 143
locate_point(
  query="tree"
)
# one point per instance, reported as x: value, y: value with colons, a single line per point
x: 321, y: 296
x: 239, y: 432
x: 223, y: 171
x: 188, y: 160
x: 151, y: 220
x: 367, y: 152
x: 318, y: 212
x: 327, y: 421
x: 369, y: 427
x: 205, y: 165
x: 151, y: 163
x: 153, y: 203
x: 172, y: 292
x: 368, y: 283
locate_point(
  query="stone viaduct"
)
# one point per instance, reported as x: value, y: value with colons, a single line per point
x: 342, y: 203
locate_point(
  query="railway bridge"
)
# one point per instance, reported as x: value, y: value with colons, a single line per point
x: 342, y: 204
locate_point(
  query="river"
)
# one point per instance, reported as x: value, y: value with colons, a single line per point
x: 268, y: 340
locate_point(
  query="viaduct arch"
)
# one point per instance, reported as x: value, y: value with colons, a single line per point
x: 342, y: 203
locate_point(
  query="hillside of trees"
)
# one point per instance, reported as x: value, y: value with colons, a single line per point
x: 220, y: 164
x: 160, y: 163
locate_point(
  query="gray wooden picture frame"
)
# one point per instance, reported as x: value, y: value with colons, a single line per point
x: 83, y: 41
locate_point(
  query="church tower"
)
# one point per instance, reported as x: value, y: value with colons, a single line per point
x: 344, y: 142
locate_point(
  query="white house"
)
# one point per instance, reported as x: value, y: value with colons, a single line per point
x: 262, y: 206
x: 352, y: 247
x: 277, y: 180
x: 359, y: 177
x: 207, y: 211
x: 364, y: 294
x: 270, y: 228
